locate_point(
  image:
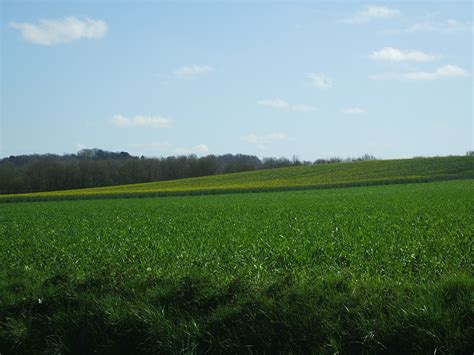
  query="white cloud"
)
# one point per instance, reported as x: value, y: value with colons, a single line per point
x: 282, y: 105
x: 369, y: 13
x: 353, y: 110
x: 197, y: 149
x: 55, y: 31
x: 430, y: 24
x: 397, y: 55
x: 320, y: 81
x: 447, y: 71
x: 141, y: 121
x: 80, y: 146
x: 277, y: 104
x: 192, y: 71
x: 451, y: 71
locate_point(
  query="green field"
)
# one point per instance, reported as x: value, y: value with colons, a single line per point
x: 377, y: 269
x: 293, y: 178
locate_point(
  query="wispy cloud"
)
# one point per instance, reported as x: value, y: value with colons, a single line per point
x: 197, y: 149
x: 56, y: 31
x: 353, y: 110
x: 320, y: 81
x: 369, y: 13
x: 262, y: 140
x: 282, y: 105
x: 447, y: 71
x: 397, y: 55
x: 276, y: 104
x: 141, y: 121
x: 431, y: 24
x: 192, y: 71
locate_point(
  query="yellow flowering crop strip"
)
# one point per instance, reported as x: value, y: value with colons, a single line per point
x: 292, y: 178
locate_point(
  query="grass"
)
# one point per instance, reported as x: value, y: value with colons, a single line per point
x: 293, y: 178
x: 379, y: 269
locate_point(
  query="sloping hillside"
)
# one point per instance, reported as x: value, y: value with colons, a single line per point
x: 302, y: 177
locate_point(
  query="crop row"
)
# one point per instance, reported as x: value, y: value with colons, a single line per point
x: 347, y: 270
x: 294, y: 178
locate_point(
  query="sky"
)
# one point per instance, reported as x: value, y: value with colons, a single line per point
x: 267, y: 78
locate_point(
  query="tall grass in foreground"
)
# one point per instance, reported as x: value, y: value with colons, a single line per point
x: 385, y: 269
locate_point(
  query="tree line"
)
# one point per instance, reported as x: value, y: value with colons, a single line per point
x: 96, y: 167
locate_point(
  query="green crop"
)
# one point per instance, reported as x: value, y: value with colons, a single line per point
x: 293, y: 178
x: 350, y: 270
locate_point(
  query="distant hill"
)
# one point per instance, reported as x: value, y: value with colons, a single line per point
x: 299, y: 177
x: 96, y: 167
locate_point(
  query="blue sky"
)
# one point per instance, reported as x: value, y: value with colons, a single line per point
x: 312, y: 79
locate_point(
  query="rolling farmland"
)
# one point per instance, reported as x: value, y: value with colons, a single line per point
x: 236, y: 177
x: 293, y: 178
x: 350, y: 270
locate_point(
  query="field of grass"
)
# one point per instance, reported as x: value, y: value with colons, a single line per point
x: 293, y: 178
x: 352, y: 270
